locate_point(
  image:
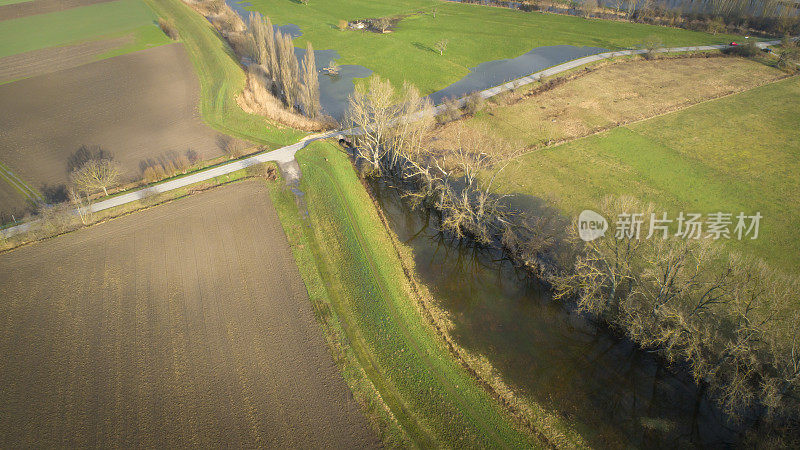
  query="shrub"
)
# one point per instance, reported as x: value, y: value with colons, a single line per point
x: 449, y: 111
x: 382, y: 24
x: 168, y: 27
x: 747, y: 50
x: 651, y: 45
x: 473, y: 103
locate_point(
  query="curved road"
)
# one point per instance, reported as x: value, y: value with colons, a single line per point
x: 284, y: 156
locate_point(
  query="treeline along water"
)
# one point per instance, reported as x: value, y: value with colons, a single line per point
x: 549, y: 352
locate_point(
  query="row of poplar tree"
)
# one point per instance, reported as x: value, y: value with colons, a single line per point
x: 293, y: 83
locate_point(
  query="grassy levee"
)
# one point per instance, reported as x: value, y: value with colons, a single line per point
x: 735, y: 154
x: 221, y: 78
x: 354, y: 275
x: 475, y: 34
x: 92, y: 22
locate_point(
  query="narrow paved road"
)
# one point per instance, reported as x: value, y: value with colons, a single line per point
x: 284, y: 156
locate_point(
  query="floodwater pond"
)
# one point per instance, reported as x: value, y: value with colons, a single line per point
x: 335, y: 90
x: 500, y: 71
x: 616, y: 394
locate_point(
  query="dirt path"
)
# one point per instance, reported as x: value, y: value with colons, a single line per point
x: 17, y: 10
x: 184, y: 325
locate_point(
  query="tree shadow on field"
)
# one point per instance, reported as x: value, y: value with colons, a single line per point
x: 54, y: 194
x: 85, y: 154
x: 225, y: 143
x: 424, y: 47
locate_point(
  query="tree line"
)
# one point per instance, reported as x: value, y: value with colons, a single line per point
x: 731, y: 320
x: 278, y: 86
x: 273, y: 52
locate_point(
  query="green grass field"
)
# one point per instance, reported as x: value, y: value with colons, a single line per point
x: 736, y: 154
x: 98, y: 21
x: 12, y: 2
x: 355, y: 277
x: 476, y: 34
x: 221, y: 78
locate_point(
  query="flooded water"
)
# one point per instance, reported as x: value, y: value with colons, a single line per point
x: 617, y: 394
x: 494, y: 73
x: 334, y: 90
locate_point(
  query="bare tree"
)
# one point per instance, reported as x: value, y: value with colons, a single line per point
x: 372, y: 109
x: 272, y: 51
x: 96, y: 174
x: 382, y: 24
x: 289, y: 69
x: 730, y: 318
x: 309, y: 90
x: 587, y: 7
x: 441, y: 46
x: 258, y: 31
x: 82, y: 205
x: 651, y: 45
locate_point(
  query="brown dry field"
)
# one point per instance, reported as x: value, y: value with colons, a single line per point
x: 617, y: 93
x: 53, y: 59
x: 183, y: 325
x: 138, y: 106
x: 17, y: 10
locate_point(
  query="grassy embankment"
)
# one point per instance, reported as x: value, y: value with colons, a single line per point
x: 475, y: 33
x: 86, y: 23
x: 735, y: 154
x: 355, y: 278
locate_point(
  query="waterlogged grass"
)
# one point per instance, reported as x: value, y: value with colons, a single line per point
x: 476, y: 34
x: 101, y: 20
x: 221, y: 78
x: 351, y: 269
x: 736, y: 154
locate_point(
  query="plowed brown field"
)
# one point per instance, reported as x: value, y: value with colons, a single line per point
x: 24, y: 9
x: 137, y: 106
x: 185, y: 324
x: 53, y: 59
